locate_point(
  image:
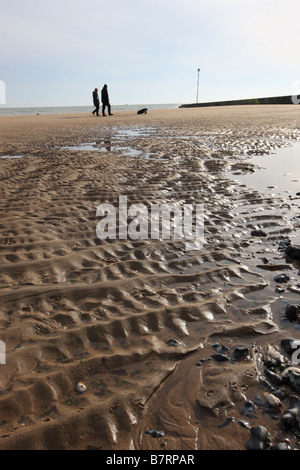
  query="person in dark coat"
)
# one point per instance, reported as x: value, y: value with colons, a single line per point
x: 96, y: 102
x: 105, y: 101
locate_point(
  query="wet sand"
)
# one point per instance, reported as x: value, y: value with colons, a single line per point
x: 76, y: 309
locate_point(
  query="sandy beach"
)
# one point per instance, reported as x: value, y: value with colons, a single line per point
x: 150, y: 328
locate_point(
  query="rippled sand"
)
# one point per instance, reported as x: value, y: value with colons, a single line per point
x: 75, y: 309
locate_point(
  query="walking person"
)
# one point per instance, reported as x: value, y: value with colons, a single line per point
x: 105, y: 101
x: 96, y: 102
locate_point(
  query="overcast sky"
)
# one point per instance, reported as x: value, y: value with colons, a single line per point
x: 54, y: 53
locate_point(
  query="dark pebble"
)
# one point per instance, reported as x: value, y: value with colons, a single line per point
x: 240, y: 352
x: 258, y: 233
x: 295, y: 402
x: 259, y: 439
x: 273, y: 363
x: 244, y: 423
x: 281, y: 446
x: 291, y: 375
x: 220, y: 348
x: 293, y: 252
x: 288, y: 421
x: 282, y: 278
x: 292, y: 313
x: 266, y: 384
x: 274, y: 378
x: 154, y: 433
x: 219, y: 357
x: 281, y: 394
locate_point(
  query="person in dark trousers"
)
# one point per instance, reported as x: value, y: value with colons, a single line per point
x: 96, y: 102
x: 105, y: 101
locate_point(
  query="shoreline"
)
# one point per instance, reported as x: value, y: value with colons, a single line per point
x: 45, y: 110
x: 286, y: 107
x: 141, y: 322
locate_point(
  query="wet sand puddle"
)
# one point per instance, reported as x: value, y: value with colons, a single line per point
x: 113, y: 141
x: 149, y: 328
x: 277, y: 172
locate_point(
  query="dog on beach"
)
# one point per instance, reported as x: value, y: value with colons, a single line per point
x: 142, y: 111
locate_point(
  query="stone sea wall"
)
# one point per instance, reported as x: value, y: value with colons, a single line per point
x: 289, y: 99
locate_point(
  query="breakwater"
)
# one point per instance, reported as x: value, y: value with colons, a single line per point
x: 289, y: 99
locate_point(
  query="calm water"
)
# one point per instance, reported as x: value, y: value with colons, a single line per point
x: 80, y: 109
x: 277, y: 172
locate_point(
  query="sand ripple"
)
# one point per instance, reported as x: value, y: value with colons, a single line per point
x: 77, y: 309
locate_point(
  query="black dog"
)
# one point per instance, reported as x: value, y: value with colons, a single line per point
x: 142, y: 111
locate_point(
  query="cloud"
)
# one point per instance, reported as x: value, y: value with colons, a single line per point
x: 149, y: 44
x: 264, y: 31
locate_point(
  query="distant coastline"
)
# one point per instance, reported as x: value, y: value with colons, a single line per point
x: 19, y: 111
x: 288, y: 99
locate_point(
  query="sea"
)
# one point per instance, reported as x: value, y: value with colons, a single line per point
x: 79, y: 109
